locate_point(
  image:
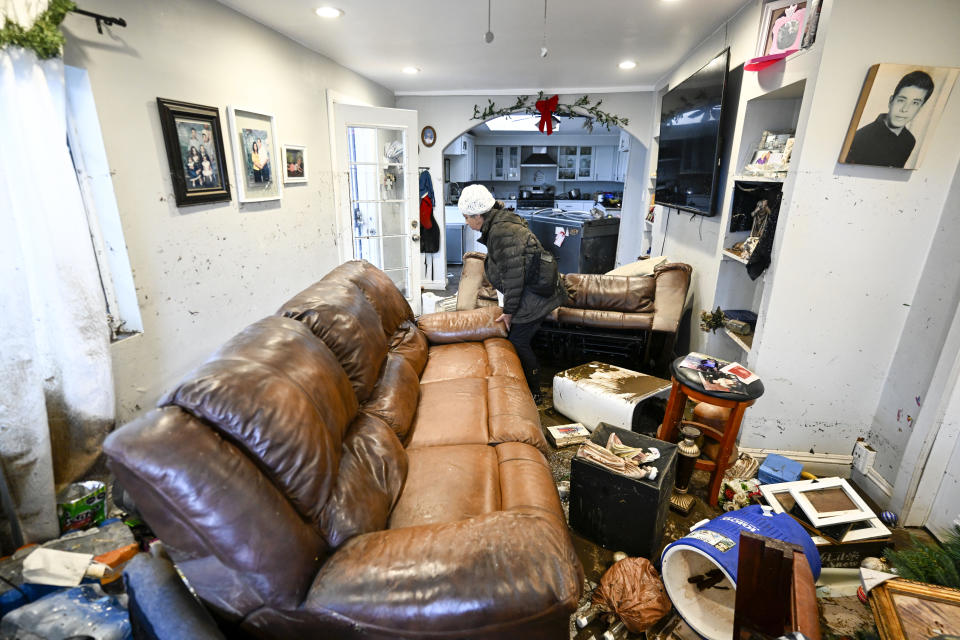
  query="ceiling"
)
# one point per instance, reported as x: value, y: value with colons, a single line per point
x: 586, y: 40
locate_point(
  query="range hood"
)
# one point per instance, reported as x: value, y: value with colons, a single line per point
x: 539, y: 158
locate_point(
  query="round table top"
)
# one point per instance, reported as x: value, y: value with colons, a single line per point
x: 690, y: 378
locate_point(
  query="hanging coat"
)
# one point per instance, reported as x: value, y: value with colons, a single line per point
x: 429, y: 229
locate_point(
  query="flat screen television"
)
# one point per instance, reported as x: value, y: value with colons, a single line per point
x: 688, y: 164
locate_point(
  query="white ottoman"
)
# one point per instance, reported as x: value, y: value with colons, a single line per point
x: 597, y: 392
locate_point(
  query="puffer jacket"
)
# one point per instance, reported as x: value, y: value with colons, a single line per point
x: 511, y: 249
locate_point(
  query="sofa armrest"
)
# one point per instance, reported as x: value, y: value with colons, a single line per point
x: 673, y: 280
x: 473, y: 325
x: 488, y: 573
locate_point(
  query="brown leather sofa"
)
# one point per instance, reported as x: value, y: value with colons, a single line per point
x: 338, y: 471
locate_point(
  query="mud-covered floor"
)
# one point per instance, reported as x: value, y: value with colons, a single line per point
x: 841, y: 617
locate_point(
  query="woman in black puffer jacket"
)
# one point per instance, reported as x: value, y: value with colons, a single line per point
x: 520, y: 268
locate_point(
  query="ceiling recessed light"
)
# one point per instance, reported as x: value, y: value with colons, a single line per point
x: 627, y: 64
x: 411, y: 70
x: 329, y: 12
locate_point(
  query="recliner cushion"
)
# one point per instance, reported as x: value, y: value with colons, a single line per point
x: 610, y: 293
x: 339, y: 314
x: 394, y: 398
x: 382, y: 292
x: 451, y: 412
x: 373, y: 468
x: 456, y: 361
x: 280, y: 395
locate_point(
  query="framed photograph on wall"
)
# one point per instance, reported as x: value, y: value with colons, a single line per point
x: 898, y: 109
x: 194, y: 144
x: 255, y: 154
x: 781, y: 26
x: 294, y: 163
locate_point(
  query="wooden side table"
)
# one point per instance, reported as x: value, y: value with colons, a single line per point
x: 686, y: 384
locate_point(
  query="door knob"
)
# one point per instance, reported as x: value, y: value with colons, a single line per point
x: 414, y: 223
x: 415, y: 237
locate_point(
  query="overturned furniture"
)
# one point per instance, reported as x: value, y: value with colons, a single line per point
x: 338, y: 471
x: 627, y: 320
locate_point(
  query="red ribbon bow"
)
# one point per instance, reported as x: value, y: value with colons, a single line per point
x: 546, y: 109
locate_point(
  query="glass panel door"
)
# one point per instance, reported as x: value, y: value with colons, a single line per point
x: 567, y: 163
x: 586, y: 163
x: 378, y: 192
x: 498, y: 164
x: 513, y: 167
x: 377, y: 157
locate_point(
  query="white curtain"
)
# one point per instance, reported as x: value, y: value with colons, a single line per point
x: 58, y: 398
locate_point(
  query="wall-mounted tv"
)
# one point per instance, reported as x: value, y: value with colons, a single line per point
x: 688, y: 164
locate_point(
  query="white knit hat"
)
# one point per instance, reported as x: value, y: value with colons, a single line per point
x: 475, y: 200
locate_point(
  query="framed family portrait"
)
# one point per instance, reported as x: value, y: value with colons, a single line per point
x: 294, y: 163
x: 255, y: 154
x: 194, y: 144
x: 782, y: 27
x: 908, y: 610
x: 897, y: 112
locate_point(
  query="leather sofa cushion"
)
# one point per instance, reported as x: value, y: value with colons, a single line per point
x: 340, y: 315
x: 279, y: 394
x: 610, y: 293
x: 503, y: 360
x: 513, y: 416
x: 448, y: 483
x: 411, y: 343
x: 216, y: 512
x: 506, y: 575
x: 451, y: 412
x: 568, y: 316
x: 392, y: 308
x: 447, y: 327
x: 394, y: 398
x: 526, y: 480
x: 373, y: 467
x: 454, y: 361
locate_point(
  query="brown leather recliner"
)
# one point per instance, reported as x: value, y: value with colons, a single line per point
x: 330, y: 473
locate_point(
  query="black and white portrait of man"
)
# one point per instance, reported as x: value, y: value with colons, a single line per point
x: 898, y: 109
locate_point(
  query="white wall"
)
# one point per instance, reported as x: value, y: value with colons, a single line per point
x: 450, y: 116
x: 851, y: 247
x: 204, y: 272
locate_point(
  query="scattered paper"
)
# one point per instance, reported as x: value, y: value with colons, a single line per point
x: 59, y: 568
x: 745, y: 375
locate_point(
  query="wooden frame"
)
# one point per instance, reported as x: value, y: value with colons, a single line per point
x: 908, y: 610
x: 428, y: 136
x: 194, y: 144
x: 250, y: 130
x: 871, y: 527
x: 294, y: 163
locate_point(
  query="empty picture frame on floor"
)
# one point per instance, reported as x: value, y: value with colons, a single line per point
x: 908, y: 610
x: 194, y: 144
x: 255, y: 153
x: 896, y: 114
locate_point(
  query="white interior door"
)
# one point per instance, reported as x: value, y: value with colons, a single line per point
x: 378, y: 191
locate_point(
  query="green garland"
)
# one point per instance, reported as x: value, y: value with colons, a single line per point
x: 581, y: 108
x: 44, y: 37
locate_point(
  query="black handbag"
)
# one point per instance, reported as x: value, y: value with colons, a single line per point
x: 543, y: 273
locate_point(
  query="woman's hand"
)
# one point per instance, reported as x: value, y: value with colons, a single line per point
x: 505, y: 318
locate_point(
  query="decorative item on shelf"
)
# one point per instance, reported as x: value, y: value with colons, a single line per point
x: 583, y: 107
x: 813, y: 19
x: 428, y: 136
x: 195, y: 155
x: 895, y: 117
x: 771, y: 158
x: 711, y: 320
x: 295, y: 163
x: 781, y: 27
x: 254, y: 152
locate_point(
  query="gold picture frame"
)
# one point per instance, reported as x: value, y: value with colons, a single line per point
x: 908, y: 610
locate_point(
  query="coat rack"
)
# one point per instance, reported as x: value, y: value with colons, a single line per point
x: 101, y: 19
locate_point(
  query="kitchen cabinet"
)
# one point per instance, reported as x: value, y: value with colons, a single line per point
x: 506, y: 163
x: 624, y: 141
x: 606, y: 159
x: 485, y: 162
x: 622, y: 162
x: 463, y: 165
x: 461, y: 146
x: 575, y: 163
